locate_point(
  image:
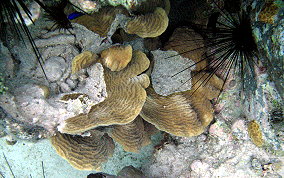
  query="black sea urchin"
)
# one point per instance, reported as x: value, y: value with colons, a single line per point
x: 55, y: 13
x: 12, y: 19
x: 230, y: 47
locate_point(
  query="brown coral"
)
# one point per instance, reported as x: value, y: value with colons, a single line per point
x: 83, y: 60
x: 149, y: 6
x: 131, y: 136
x: 116, y: 58
x: 206, y: 85
x: 188, y: 44
x: 268, y: 12
x: 149, y: 25
x: 84, y: 153
x: 100, y: 22
x: 183, y: 114
x: 255, y: 133
x: 173, y: 114
x: 126, y: 96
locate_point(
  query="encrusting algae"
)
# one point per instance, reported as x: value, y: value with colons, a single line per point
x: 268, y: 12
x: 255, y: 133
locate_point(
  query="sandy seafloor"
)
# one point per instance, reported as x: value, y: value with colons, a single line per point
x: 25, y: 159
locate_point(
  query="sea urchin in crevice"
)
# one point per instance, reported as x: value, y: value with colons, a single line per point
x: 230, y: 48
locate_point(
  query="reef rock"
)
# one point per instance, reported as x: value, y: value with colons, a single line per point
x: 171, y: 72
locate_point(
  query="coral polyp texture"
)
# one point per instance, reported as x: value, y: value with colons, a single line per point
x: 255, y: 133
x: 131, y: 136
x: 116, y: 57
x: 84, y: 153
x: 100, y: 22
x: 126, y: 96
x: 268, y: 12
x: 148, y: 25
x: 83, y: 60
x: 188, y: 44
x: 180, y: 114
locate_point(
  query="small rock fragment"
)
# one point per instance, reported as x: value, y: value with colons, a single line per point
x: 171, y: 72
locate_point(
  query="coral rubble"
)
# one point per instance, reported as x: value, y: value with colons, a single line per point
x: 188, y: 44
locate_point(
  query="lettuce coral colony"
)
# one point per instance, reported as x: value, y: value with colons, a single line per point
x: 102, y: 90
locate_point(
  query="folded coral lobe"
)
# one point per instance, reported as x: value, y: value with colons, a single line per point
x: 149, y: 25
x: 126, y: 96
x: 185, y: 113
x: 131, y: 136
x: 173, y: 114
x: 84, y: 153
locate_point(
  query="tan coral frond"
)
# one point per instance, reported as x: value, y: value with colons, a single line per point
x: 126, y: 96
x: 173, y: 114
x: 131, y: 136
x: 84, y: 153
x: 149, y: 25
x: 100, y: 22
x: 116, y: 58
x: 185, y: 113
x: 138, y: 64
x: 83, y: 60
x: 188, y: 44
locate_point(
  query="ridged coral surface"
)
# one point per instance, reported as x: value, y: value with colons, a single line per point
x: 83, y: 60
x: 173, y: 114
x: 206, y: 85
x: 126, y: 96
x: 84, y: 153
x: 131, y: 136
x: 100, y: 22
x: 116, y: 58
x: 255, y: 133
x: 185, y: 113
x: 149, y: 25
